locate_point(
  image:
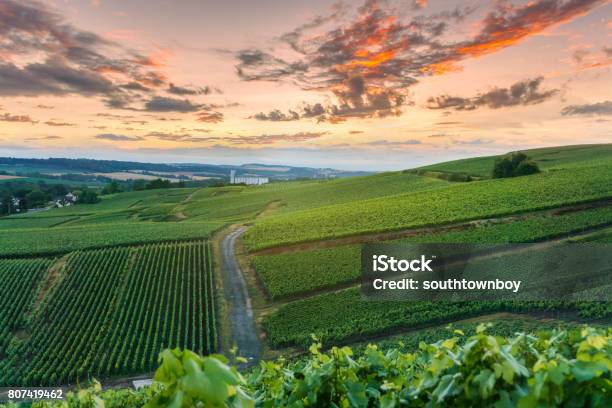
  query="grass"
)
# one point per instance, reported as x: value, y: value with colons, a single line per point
x: 547, y: 158
x: 458, y: 202
x: 237, y: 203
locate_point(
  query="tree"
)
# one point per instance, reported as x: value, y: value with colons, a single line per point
x: 158, y: 183
x: 138, y: 185
x: 514, y: 165
x: 36, y: 198
x: 6, y: 204
x: 526, y: 167
x: 88, y: 197
x: 111, y: 188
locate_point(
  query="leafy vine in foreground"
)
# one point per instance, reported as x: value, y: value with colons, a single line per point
x: 549, y: 368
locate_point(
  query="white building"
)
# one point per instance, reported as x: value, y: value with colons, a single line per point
x: 249, y: 180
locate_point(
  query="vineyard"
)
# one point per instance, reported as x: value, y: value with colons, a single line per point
x: 19, y: 280
x: 100, y: 290
x: 60, y: 240
x: 344, y: 316
x: 459, y: 202
x: 562, y: 157
x: 301, y: 272
x: 463, y: 369
x: 110, y: 312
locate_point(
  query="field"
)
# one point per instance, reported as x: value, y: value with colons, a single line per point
x: 459, y: 202
x: 111, y: 311
x: 547, y: 158
x: 343, y: 316
x: 113, y: 283
x: 300, y: 272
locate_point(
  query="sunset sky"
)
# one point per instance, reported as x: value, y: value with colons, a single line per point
x: 371, y: 85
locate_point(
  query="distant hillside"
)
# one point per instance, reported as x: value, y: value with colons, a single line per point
x: 11, y: 165
x: 548, y: 158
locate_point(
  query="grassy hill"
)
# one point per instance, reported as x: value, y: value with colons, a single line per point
x: 132, y: 254
x: 457, y: 202
x: 549, y: 158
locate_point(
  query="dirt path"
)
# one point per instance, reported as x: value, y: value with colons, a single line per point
x: 242, y: 324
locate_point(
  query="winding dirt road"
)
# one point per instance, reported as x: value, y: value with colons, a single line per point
x: 242, y: 324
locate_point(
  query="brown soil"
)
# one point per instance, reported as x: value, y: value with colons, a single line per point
x: 53, y: 275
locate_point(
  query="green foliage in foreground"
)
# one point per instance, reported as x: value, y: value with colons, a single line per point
x: 550, y: 368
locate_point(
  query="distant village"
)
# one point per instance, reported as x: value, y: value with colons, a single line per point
x: 19, y: 205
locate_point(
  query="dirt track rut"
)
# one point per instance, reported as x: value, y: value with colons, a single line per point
x: 242, y: 324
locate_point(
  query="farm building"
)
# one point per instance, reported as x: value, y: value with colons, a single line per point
x: 249, y: 180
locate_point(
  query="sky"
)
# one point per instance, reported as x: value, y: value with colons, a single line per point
x: 368, y: 85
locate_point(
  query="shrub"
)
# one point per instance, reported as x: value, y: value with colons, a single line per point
x: 546, y: 369
x: 514, y: 165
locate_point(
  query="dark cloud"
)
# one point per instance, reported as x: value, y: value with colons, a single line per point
x: 58, y: 124
x: 353, y: 100
x: 7, y: 117
x: 355, y: 132
x: 277, y: 116
x: 599, y: 108
x: 368, y: 64
x: 118, y: 138
x: 525, y: 92
x: 185, y: 90
x: 41, y: 106
x: 166, y: 104
x: 63, y: 59
x: 135, y: 86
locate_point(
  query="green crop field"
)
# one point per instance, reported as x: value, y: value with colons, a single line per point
x: 300, y: 272
x: 459, y: 202
x: 547, y: 158
x: 345, y: 316
x: 240, y: 203
x: 19, y: 282
x: 111, y: 284
x: 295, y: 273
x: 108, y: 312
x: 31, y: 222
x: 65, y: 239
